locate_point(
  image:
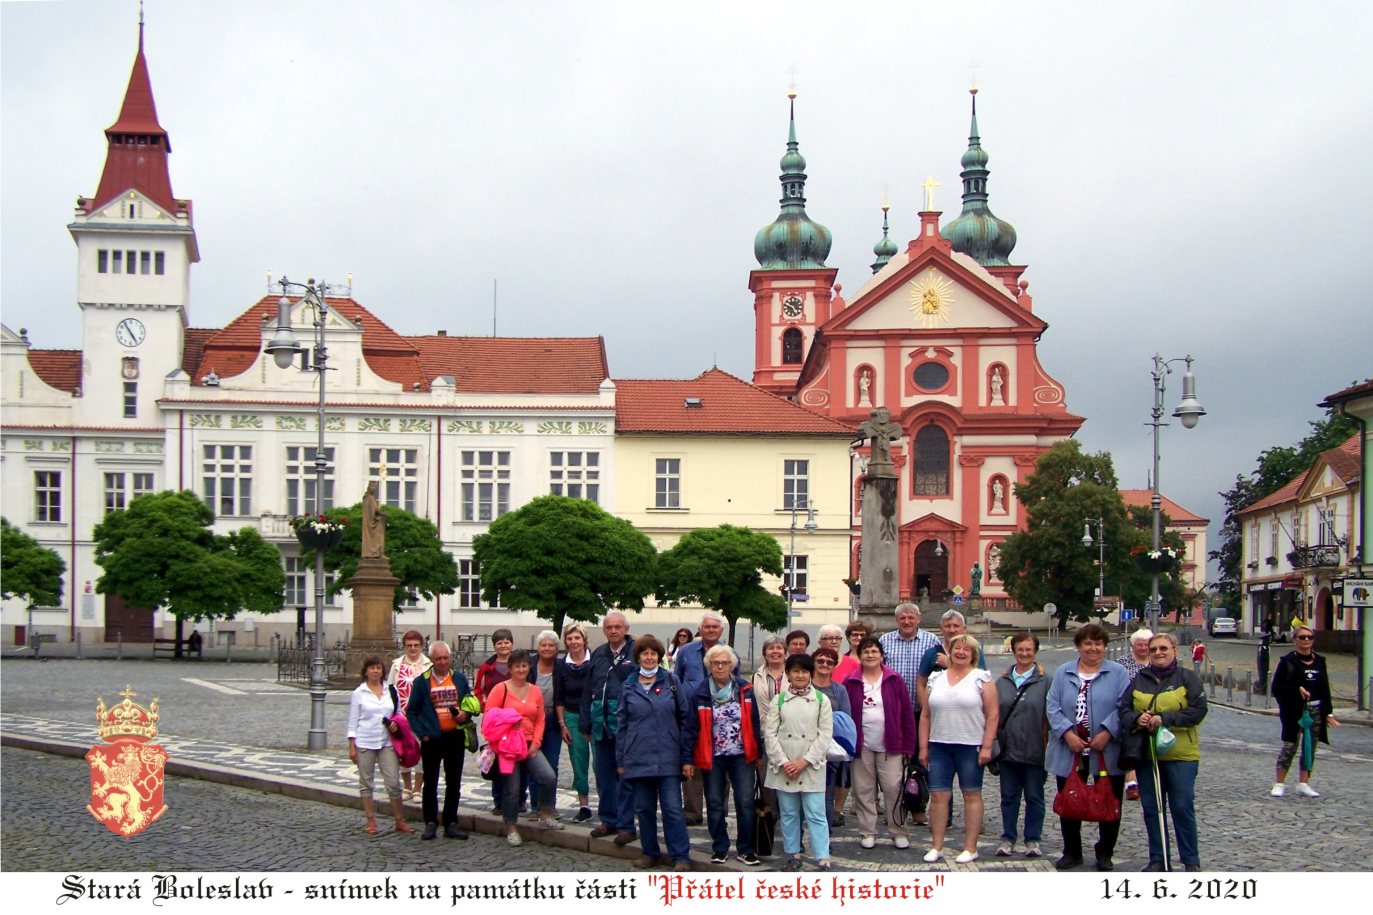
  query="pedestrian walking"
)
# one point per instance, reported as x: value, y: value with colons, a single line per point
x: 1301, y: 686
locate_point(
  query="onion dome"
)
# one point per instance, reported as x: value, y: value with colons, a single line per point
x: 977, y: 232
x: 886, y: 248
x: 792, y: 241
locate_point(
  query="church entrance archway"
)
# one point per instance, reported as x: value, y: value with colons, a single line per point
x: 931, y: 570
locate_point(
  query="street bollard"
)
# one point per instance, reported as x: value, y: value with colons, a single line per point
x: 1248, y: 688
x: 1211, y: 678
x: 228, y: 652
x: 119, y: 644
x: 1230, y: 685
x: 79, y: 656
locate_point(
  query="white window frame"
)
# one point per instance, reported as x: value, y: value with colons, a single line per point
x: 297, y: 590
x: 144, y: 484
x: 795, y: 483
x: 116, y: 496
x: 47, y: 496
x: 222, y: 464
x: 667, y: 482
x: 484, y: 475
x: 800, y: 584
x: 576, y: 474
x: 399, y: 486
x: 300, y: 480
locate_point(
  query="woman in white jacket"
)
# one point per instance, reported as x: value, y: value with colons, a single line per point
x: 797, y: 730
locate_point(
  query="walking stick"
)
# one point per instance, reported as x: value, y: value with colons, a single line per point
x: 1158, y: 799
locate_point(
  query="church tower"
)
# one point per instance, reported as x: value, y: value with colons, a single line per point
x: 792, y: 287
x: 135, y: 244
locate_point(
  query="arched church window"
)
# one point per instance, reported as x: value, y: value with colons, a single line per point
x: 931, y: 464
x: 791, y: 346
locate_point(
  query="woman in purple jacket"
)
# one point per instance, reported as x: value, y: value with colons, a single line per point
x: 886, y: 732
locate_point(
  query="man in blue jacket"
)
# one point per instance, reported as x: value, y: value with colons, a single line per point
x: 610, y: 664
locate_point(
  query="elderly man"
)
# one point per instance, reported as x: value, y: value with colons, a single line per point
x: 905, y: 648
x: 610, y: 664
x: 690, y: 668
x: 436, y: 718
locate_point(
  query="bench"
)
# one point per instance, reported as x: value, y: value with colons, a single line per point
x: 164, y: 648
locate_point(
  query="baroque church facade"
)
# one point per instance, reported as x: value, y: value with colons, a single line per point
x: 943, y: 335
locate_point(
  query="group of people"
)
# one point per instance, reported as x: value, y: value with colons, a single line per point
x: 671, y: 732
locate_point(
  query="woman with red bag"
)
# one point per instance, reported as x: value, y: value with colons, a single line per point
x: 1084, y: 725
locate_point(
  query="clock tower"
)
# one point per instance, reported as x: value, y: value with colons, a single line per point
x: 792, y: 287
x: 135, y: 244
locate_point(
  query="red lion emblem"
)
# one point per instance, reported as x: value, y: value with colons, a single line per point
x: 127, y: 772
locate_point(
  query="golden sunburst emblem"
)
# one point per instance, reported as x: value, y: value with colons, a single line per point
x: 930, y: 299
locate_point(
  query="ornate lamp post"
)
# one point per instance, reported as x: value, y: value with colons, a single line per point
x: 1101, y: 550
x: 283, y: 348
x: 1189, y: 410
x: 810, y: 526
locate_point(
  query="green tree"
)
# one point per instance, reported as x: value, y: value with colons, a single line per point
x: 1046, y: 562
x: 29, y: 570
x: 1277, y: 466
x: 160, y: 551
x: 722, y: 568
x: 413, y: 547
x: 1135, y: 585
x: 561, y: 558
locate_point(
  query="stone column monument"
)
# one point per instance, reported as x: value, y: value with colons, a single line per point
x: 879, y: 572
x: 374, y: 591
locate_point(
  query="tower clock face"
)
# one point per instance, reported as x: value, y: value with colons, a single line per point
x: 792, y: 306
x: 130, y: 332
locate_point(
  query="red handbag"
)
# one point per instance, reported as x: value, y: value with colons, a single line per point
x: 1095, y: 803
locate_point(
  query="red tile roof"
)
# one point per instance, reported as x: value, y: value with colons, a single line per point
x: 194, y: 349
x: 60, y: 368
x: 728, y: 405
x: 516, y: 365
x: 1143, y: 498
x: 1343, y: 460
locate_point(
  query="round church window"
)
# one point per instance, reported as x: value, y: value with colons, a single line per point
x: 931, y: 376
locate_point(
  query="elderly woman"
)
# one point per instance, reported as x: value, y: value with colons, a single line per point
x: 1084, y: 722
x: 768, y: 679
x: 1301, y: 683
x: 402, y: 674
x: 882, y: 711
x: 956, y: 734
x: 1138, y: 660
x: 726, y: 737
x: 653, y: 753
x: 854, y: 633
x: 1021, y: 694
x: 519, y: 694
x: 541, y: 675
x: 796, y: 732
x: 798, y: 642
x: 369, y: 741
x: 836, y: 773
x: 569, y: 683
x: 1166, y: 694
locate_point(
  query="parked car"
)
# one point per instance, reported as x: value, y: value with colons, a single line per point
x: 1223, y: 626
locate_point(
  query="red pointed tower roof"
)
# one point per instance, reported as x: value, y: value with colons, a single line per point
x: 137, y: 156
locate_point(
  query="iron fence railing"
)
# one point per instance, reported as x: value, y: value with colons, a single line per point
x: 293, y: 664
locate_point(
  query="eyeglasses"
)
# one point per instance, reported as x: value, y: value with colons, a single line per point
x: 1160, y: 649
x: 825, y: 661
x: 1303, y: 638
x: 831, y: 638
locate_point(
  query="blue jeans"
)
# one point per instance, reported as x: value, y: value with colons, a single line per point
x: 615, y: 801
x: 1017, y: 779
x: 812, y: 804
x: 1179, y: 780
x: 537, y: 770
x: 731, y: 773
x: 551, y: 748
x: 649, y: 794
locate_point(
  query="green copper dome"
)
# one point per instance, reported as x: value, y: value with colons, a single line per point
x: 792, y: 241
x: 886, y: 248
x: 977, y: 232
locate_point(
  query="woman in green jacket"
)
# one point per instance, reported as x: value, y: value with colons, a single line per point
x: 1167, y: 695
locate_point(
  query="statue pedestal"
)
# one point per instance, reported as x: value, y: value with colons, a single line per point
x: 374, y: 595
x: 879, y: 571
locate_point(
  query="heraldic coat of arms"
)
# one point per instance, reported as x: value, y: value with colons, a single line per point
x: 126, y: 770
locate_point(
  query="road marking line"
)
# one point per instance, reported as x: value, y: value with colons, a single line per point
x: 215, y: 686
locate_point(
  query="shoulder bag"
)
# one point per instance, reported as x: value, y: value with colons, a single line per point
x: 1095, y: 803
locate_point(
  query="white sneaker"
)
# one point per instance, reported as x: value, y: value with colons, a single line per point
x: 901, y: 842
x: 1032, y: 850
x: 550, y: 823
x: 514, y: 839
x: 868, y: 841
x: 1005, y: 849
x: 966, y: 857
x: 1279, y: 789
x: 1307, y: 790
x: 933, y: 855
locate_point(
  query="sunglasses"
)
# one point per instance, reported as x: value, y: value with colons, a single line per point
x: 825, y: 661
x: 1303, y: 638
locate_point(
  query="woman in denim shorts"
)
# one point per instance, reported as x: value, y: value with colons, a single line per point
x: 956, y: 734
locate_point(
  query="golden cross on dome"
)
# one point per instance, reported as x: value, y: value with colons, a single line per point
x: 929, y: 186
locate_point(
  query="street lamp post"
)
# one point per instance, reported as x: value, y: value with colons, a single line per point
x: 801, y: 504
x: 1189, y: 410
x: 1101, y: 550
x: 283, y: 348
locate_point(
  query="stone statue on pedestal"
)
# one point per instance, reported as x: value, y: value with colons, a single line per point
x: 880, y: 591
x: 373, y: 524
x: 976, y: 589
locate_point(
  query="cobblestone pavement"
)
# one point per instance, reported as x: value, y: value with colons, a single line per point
x: 211, y: 827
x: 235, y: 716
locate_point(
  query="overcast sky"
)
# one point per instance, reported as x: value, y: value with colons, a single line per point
x: 1184, y: 177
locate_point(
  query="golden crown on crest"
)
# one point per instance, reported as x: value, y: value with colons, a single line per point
x: 127, y: 719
